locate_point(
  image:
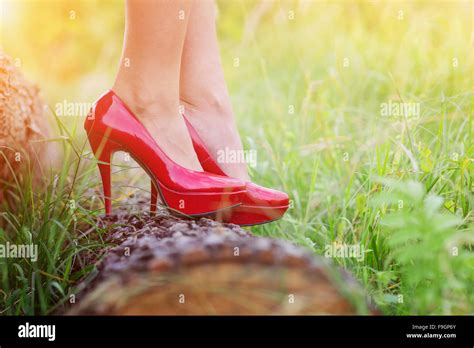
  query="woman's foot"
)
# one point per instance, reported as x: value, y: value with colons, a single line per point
x: 213, y: 119
x: 162, y: 119
x: 259, y: 204
x: 203, y: 90
x: 148, y: 76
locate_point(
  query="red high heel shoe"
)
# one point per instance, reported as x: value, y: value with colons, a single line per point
x: 112, y: 127
x: 259, y: 205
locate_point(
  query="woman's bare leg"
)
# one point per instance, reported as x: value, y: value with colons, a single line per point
x: 148, y: 77
x: 203, y: 91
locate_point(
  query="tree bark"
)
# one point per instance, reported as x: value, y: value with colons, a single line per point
x: 163, y: 264
x: 24, y: 128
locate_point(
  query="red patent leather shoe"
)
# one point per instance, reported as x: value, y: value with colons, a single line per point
x: 112, y: 127
x: 259, y: 205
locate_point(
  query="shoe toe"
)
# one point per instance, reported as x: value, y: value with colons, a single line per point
x: 262, y: 196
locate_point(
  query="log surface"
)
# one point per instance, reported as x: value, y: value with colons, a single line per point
x: 24, y: 129
x: 163, y: 264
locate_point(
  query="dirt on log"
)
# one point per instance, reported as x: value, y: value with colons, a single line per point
x: 162, y: 264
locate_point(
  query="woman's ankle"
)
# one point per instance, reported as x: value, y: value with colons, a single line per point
x: 145, y: 101
x: 206, y: 101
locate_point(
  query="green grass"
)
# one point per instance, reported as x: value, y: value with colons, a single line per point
x: 400, y: 187
x: 322, y: 138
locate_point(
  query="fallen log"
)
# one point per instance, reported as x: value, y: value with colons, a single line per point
x: 24, y: 129
x: 163, y: 264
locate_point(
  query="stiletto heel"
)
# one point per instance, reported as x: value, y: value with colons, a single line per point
x: 259, y: 205
x: 103, y: 151
x: 112, y: 127
x: 154, y: 197
x: 107, y: 185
